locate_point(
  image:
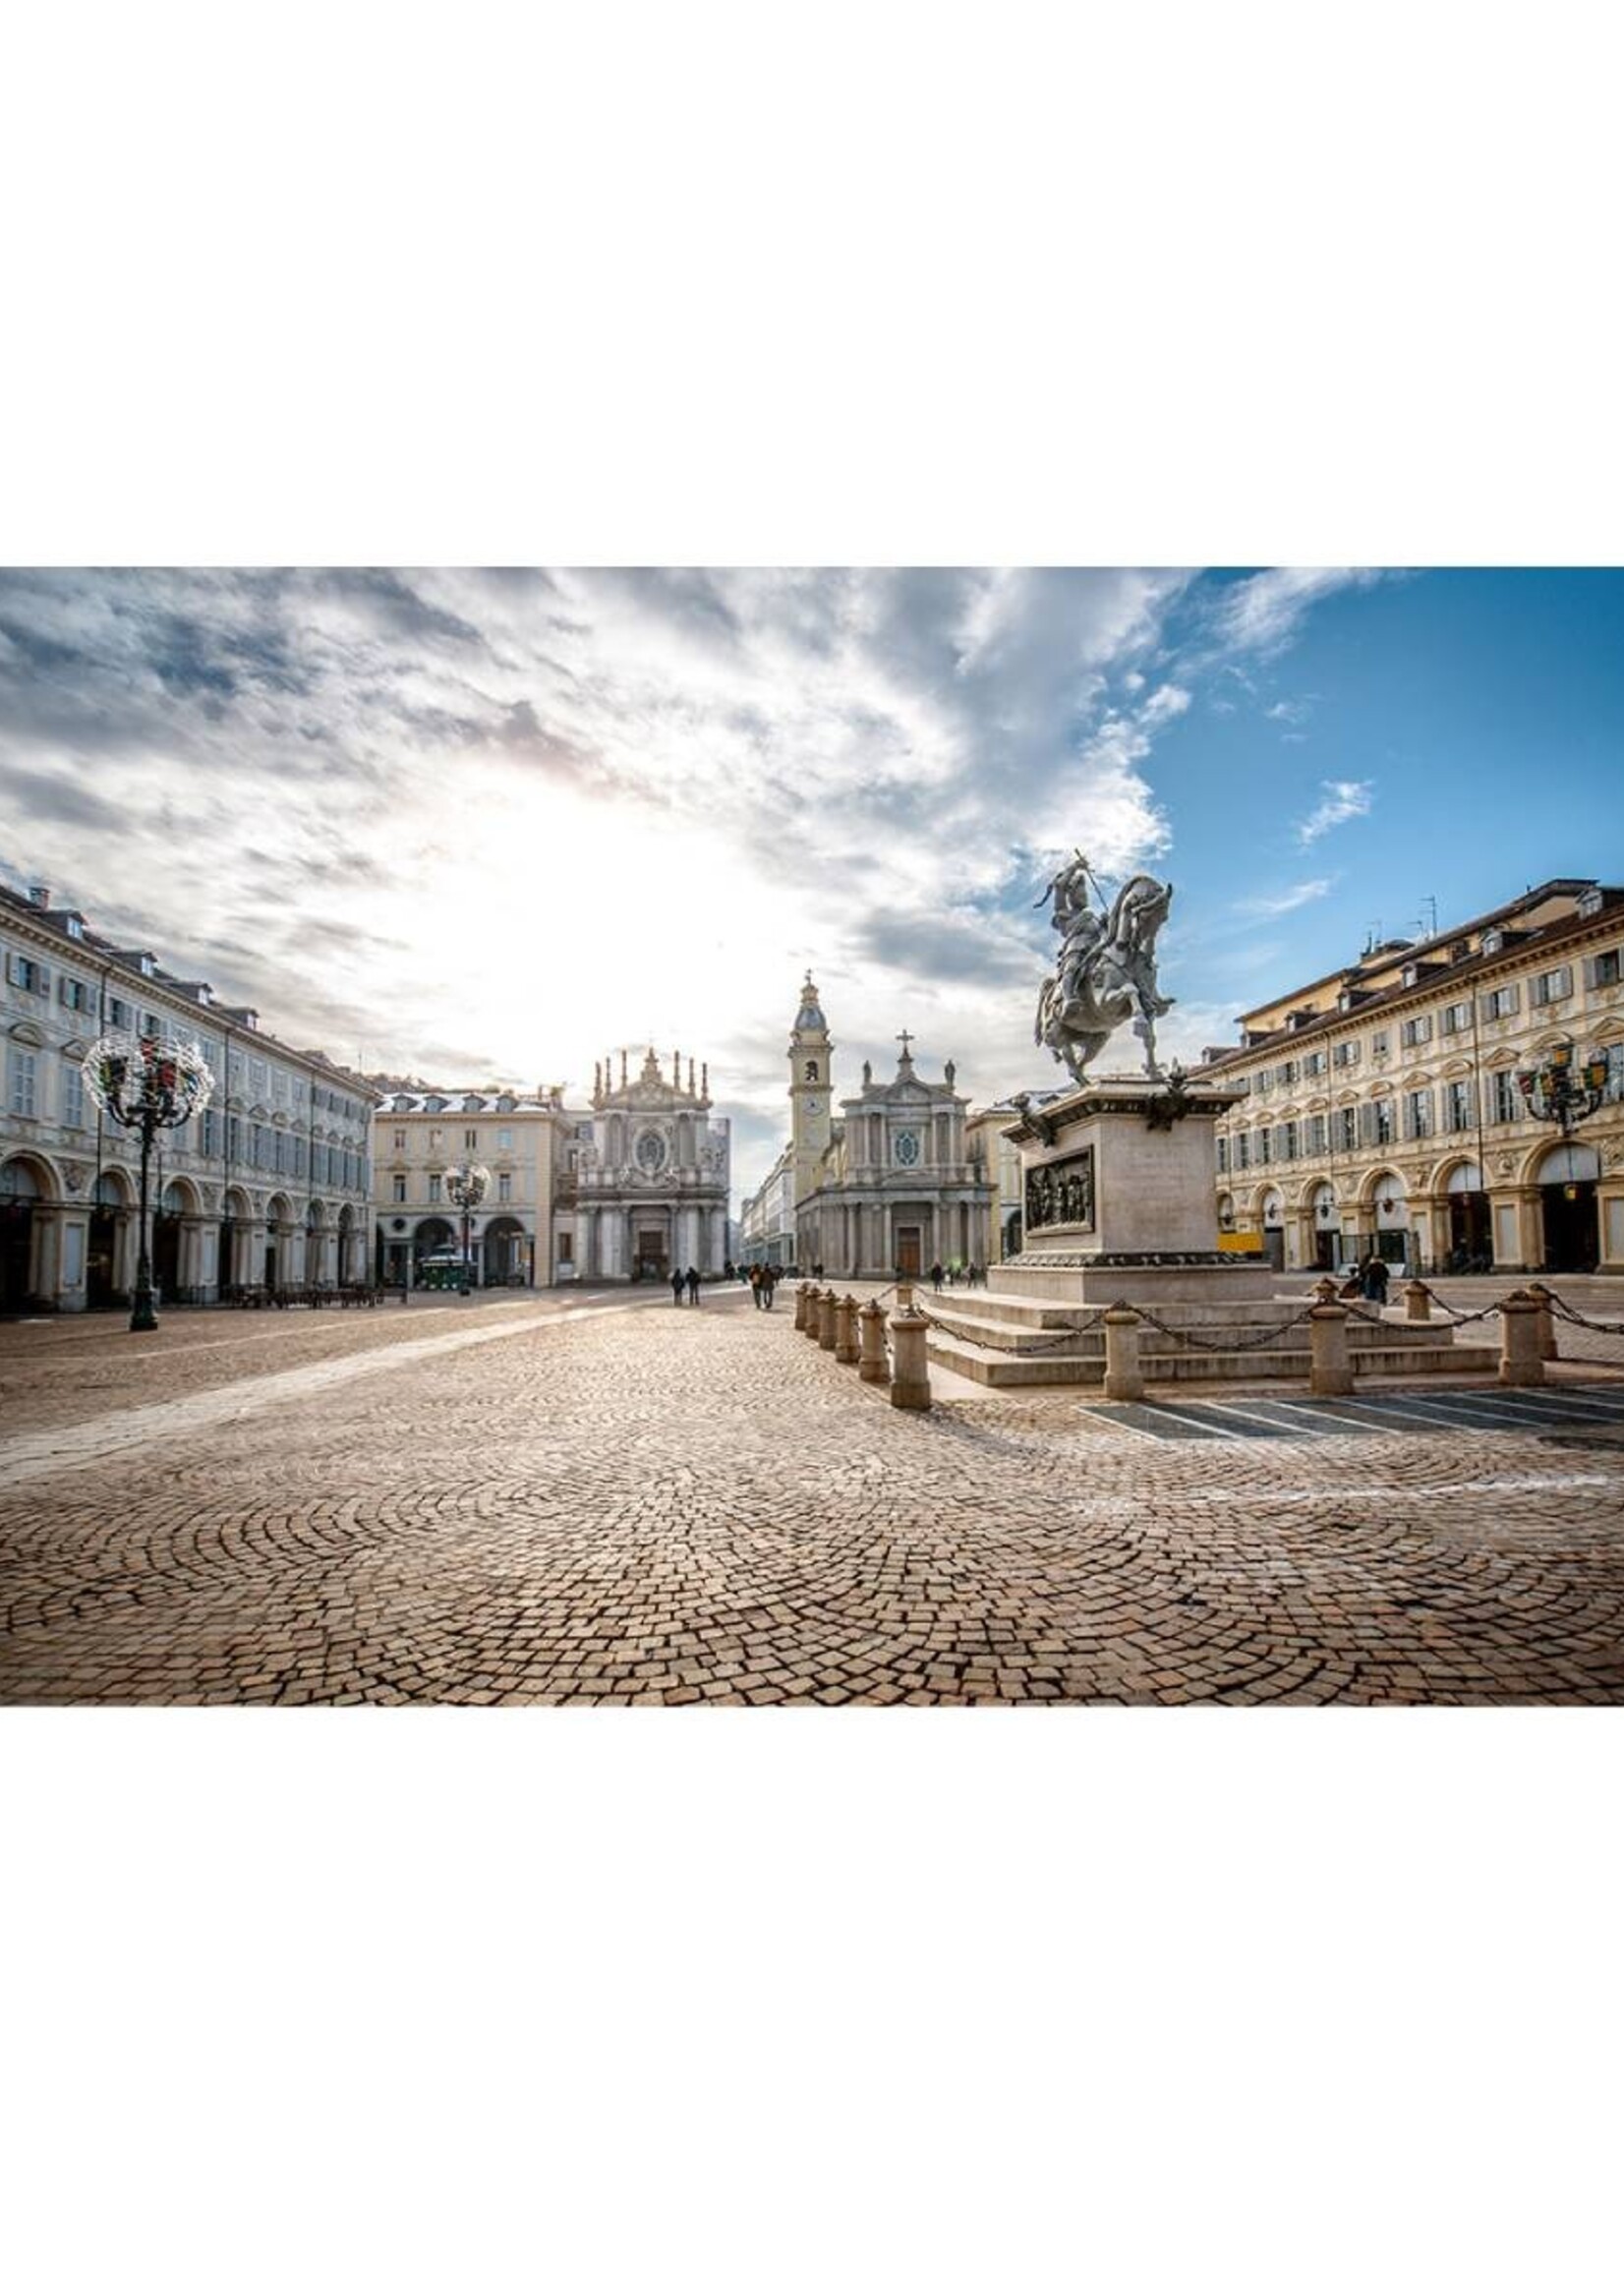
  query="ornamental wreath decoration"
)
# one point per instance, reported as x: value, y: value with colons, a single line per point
x: 133, y: 1083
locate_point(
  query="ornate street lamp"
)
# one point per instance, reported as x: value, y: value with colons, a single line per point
x: 145, y: 1086
x: 466, y: 1187
x: 1556, y: 1090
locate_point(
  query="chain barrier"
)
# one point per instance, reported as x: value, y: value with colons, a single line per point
x: 1194, y: 1341
x: 1463, y: 1317
x: 1564, y: 1309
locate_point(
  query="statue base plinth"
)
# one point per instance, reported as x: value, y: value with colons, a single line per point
x: 1120, y: 1199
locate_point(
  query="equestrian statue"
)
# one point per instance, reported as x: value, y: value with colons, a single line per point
x: 1105, y: 968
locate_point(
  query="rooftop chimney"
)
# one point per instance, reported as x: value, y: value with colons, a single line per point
x: 39, y: 895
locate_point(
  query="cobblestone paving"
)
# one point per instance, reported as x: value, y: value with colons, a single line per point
x: 603, y: 1505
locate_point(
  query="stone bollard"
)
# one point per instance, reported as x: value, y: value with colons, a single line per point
x: 814, y: 1295
x: 1122, y: 1376
x: 1330, y: 1369
x: 910, y: 1370
x: 800, y: 1306
x: 1417, y: 1303
x: 873, y: 1365
x: 827, y: 1301
x: 1521, y: 1365
x: 1547, y: 1318
x: 845, y: 1330
x: 904, y: 1294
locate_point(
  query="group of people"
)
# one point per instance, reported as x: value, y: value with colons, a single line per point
x: 972, y: 1275
x: 1368, y: 1279
x: 764, y: 1279
x: 688, y: 1279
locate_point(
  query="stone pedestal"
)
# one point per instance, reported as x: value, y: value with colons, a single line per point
x: 1120, y: 1201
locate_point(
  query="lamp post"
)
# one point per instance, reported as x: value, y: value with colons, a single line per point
x: 145, y: 1086
x: 465, y: 1188
x: 1557, y: 1090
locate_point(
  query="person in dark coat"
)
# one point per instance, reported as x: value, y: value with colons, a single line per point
x: 677, y: 1286
x: 936, y: 1277
x: 693, y: 1284
x: 1376, y: 1280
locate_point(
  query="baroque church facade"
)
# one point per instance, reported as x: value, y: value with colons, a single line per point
x: 641, y: 1189
x: 887, y: 1187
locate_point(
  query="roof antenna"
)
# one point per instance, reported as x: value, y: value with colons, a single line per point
x: 1428, y: 919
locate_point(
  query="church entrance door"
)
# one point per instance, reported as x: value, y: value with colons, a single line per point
x: 651, y: 1255
x: 907, y: 1251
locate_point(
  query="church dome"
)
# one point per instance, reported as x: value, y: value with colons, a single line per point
x: 809, y: 1017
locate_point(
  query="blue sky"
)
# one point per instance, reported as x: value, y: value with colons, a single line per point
x: 480, y: 825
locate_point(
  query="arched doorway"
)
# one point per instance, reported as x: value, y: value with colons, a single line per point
x: 1390, y: 1208
x: 435, y: 1239
x: 109, y: 1212
x: 232, y: 1260
x: 1470, y: 1223
x: 1571, y: 1222
x: 1325, y: 1226
x: 166, y: 1244
x: 1271, y: 1222
x: 20, y: 1189
x: 278, y: 1225
x: 503, y: 1252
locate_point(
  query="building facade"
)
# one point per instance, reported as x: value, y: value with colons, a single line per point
x: 1386, y: 1104
x: 766, y: 1224
x: 269, y: 1186
x: 995, y: 1159
x: 644, y: 1192
x: 420, y: 1135
x: 894, y: 1191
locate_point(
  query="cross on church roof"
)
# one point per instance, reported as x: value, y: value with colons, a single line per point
x: 904, y: 1038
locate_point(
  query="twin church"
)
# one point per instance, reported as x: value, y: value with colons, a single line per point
x: 881, y: 1188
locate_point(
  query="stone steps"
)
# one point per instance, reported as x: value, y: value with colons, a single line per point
x: 1286, y: 1361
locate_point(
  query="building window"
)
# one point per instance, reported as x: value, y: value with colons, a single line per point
x: 566, y: 1247
x: 1314, y: 1135
x: 24, y: 1076
x: 118, y: 1012
x: 1503, y: 1102
x: 1289, y: 1140
x: 1418, y: 1113
x: 31, y: 976
x: 1553, y: 986
x: 1243, y: 1151
x: 470, y: 1140
x: 72, y: 1097
x: 1416, y: 1031
x: 1456, y: 1019
x: 1457, y: 1107
x: 1312, y: 1064
x: 400, y: 1140
x: 811, y: 1070
x: 504, y: 1185
x: 1500, y: 1002
x: 1223, y: 1157
x: 433, y: 1189
x: 1604, y: 968
x: 436, y: 1141
x: 1265, y: 1147
x: 76, y: 994
x: 1262, y: 1082
x: 400, y: 1192
x: 504, y: 1141
x: 1348, y: 1128
x: 279, y: 1084
x: 905, y: 1148
x: 1346, y: 1054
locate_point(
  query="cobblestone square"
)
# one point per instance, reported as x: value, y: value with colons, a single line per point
x: 610, y: 1500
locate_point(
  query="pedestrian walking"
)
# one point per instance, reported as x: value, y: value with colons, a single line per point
x: 677, y: 1286
x: 769, y: 1283
x: 1376, y: 1280
x: 755, y: 1284
x: 693, y: 1284
x: 936, y: 1277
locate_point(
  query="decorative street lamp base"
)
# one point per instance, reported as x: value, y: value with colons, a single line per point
x: 143, y: 1322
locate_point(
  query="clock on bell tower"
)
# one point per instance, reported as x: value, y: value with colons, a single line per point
x: 810, y: 1089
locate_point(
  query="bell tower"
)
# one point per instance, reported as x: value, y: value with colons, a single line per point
x: 811, y: 1090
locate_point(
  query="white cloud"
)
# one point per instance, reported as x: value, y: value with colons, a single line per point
x: 1272, y: 904
x: 1263, y: 610
x: 1342, y: 801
